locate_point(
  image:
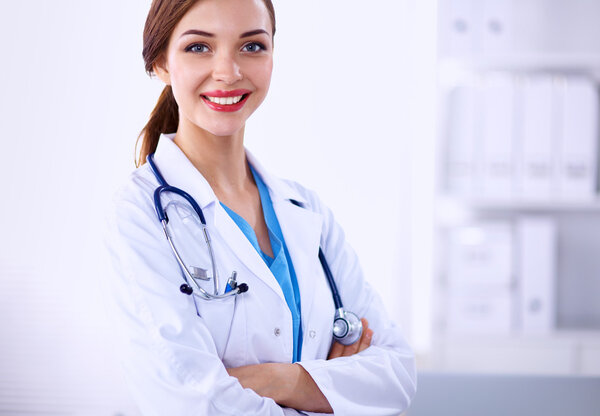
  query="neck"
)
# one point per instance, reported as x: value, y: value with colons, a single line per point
x: 220, y: 159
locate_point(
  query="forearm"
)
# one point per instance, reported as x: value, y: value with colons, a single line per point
x: 385, y: 378
x: 288, y: 385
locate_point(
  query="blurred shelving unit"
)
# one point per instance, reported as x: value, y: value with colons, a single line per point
x: 483, y: 318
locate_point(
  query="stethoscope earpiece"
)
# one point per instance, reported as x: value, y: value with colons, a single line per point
x: 187, y: 289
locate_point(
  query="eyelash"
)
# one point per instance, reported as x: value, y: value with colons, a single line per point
x: 191, y: 47
x: 260, y: 45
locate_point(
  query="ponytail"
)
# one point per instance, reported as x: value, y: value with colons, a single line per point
x: 164, y: 119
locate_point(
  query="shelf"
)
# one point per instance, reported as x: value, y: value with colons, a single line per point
x: 556, y: 352
x: 533, y: 51
x: 556, y: 336
x: 506, y: 204
x: 589, y: 64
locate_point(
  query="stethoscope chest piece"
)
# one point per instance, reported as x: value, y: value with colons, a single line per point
x: 347, y: 327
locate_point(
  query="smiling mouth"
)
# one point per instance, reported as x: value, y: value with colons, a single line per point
x: 225, y: 100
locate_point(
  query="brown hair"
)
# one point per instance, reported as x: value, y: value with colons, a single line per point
x: 160, y: 23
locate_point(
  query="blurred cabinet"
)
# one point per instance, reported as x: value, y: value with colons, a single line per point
x: 517, y: 274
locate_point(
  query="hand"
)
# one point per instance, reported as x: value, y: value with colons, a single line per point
x: 288, y: 385
x: 272, y: 380
x: 340, y: 350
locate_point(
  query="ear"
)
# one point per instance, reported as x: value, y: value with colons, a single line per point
x: 161, y: 70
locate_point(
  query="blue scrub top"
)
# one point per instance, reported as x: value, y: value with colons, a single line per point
x: 281, y: 264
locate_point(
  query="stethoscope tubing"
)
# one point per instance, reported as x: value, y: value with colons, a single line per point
x: 164, y: 220
x: 334, y: 290
x: 186, y: 273
x: 336, y: 295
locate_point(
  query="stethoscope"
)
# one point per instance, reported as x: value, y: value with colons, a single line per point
x: 347, y: 328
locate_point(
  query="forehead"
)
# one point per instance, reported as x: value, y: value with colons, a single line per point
x: 225, y: 17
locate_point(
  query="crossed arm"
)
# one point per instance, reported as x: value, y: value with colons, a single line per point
x: 290, y: 385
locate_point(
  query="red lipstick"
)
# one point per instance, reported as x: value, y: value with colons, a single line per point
x: 225, y: 94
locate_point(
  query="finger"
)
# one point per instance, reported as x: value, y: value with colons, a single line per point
x: 353, y: 348
x: 340, y: 350
x: 365, y: 324
x: 365, y: 340
x: 336, y: 350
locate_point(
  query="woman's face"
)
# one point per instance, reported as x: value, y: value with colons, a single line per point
x: 219, y: 62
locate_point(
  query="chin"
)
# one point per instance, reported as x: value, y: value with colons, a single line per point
x: 217, y: 126
x: 223, y: 130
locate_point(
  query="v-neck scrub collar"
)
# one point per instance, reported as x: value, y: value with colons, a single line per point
x: 281, y: 263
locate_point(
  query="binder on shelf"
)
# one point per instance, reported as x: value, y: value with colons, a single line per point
x: 536, y: 241
x: 578, y: 144
x: 462, y: 158
x: 460, y: 32
x: 498, y: 136
x: 480, y: 257
x: 480, y: 275
x: 536, y: 171
x: 497, y: 36
x: 480, y: 313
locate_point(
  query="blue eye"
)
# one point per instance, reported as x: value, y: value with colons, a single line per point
x: 197, y: 48
x: 253, y: 47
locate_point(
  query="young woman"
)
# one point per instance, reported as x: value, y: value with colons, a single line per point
x: 245, y: 327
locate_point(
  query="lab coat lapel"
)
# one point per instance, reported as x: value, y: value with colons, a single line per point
x: 239, y: 245
x: 179, y: 171
x: 301, y: 230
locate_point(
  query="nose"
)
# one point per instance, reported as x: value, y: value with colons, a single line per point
x: 226, y: 69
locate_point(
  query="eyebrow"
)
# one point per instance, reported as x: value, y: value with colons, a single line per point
x: 254, y: 32
x: 197, y: 32
x: 212, y: 35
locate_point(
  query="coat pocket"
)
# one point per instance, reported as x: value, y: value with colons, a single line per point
x: 221, y: 317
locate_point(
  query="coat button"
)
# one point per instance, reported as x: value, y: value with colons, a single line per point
x: 277, y: 332
x: 312, y: 333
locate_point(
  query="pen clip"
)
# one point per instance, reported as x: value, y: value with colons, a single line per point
x: 231, y: 282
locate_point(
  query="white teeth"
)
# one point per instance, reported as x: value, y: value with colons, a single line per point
x: 224, y: 100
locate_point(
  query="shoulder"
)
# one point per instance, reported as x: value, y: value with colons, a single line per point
x: 304, y: 196
x: 132, y: 199
x: 137, y: 188
x: 284, y: 189
x: 309, y: 199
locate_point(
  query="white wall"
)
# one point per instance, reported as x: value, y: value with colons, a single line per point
x: 350, y: 114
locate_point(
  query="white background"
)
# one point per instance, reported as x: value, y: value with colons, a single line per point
x: 351, y: 114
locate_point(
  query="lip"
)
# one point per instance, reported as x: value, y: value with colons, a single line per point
x: 221, y: 93
x: 228, y: 108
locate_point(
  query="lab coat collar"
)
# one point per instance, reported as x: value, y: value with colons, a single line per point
x: 179, y: 172
x: 278, y: 188
x: 301, y: 227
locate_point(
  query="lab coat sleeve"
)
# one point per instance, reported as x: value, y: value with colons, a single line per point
x: 381, y: 380
x: 169, y: 356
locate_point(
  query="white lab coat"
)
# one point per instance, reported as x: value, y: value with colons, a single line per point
x: 175, y: 347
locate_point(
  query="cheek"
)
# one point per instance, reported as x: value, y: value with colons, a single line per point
x: 185, y: 79
x: 262, y: 74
